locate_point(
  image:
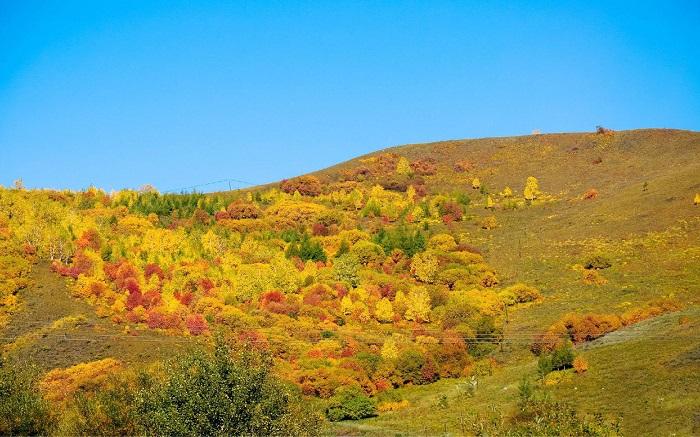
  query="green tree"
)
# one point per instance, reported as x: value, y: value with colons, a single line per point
x: 222, y: 393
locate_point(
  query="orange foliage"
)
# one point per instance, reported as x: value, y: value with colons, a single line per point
x: 305, y: 185
x: 580, y: 364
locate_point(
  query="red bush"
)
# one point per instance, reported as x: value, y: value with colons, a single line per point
x: 185, y: 297
x: 319, y: 229
x: 271, y: 296
x: 153, y: 269
x: 150, y: 299
x: 221, y: 215
x: 131, y: 285
x: 90, y: 239
x: 196, y: 324
x: 134, y: 300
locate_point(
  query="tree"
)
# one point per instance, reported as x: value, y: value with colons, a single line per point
x: 384, y: 311
x: 345, y: 269
x: 221, y: 393
x: 389, y: 349
x: 418, y: 305
x: 532, y: 189
x: 696, y: 200
x: 403, y: 167
x: 490, y: 204
x: 476, y: 183
x: 424, y: 266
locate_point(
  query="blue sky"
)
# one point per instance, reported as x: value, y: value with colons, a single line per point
x: 178, y: 93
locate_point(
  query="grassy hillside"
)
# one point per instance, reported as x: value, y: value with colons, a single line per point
x: 643, y: 218
x: 140, y: 276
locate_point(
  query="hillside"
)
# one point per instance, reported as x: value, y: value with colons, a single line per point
x: 417, y: 280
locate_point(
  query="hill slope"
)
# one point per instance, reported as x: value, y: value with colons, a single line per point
x: 148, y: 274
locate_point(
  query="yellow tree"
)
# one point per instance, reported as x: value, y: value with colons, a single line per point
x: 424, y: 266
x: 476, y: 183
x: 389, y: 349
x: 696, y: 201
x: 507, y: 192
x: 403, y: 167
x: 532, y: 189
x: 384, y: 311
x: 418, y: 305
x: 346, y: 305
x: 490, y: 204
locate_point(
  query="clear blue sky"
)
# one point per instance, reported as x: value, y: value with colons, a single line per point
x: 177, y: 93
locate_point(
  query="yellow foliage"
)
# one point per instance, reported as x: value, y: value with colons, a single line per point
x: 403, y: 167
x: 557, y: 376
x: 476, y: 183
x: 532, y: 189
x: 445, y: 242
x: 384, y: 311
x: 389, y: 350
x: 424, y: 266
x: 58, y: 384
x: 393, y: 406
x: 418, y: 305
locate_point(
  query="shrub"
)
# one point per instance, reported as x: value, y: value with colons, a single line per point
x: 350, y: 404
x: 580, y: 364
x: 463, y: 166
x: 424, y: 167
x: 305, y: 185
x: 58, y: 384
x: 597, y: 262
x: 243, y: 210
x: 522, y: 293
x: 590, y: 194
x: 221, y: 393
x: 196, y: 324
x: 345, y: 269
x: 23, y: 411
x: 409, y: 366
x: 489, y: 222
x: 367, y: 252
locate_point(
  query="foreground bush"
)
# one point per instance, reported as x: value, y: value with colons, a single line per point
x: 22, y: 409
x: 350, y: 404
x: 199, y: 393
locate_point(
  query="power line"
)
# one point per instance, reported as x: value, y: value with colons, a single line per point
x: 220, y: 181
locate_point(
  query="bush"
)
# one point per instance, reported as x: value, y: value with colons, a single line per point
x: 350, y: 404
x: 521, y: 293
x: 597, y: 262
x: 368, y: 252
x: 305, y: 185
x: 22, y: 409
x: 221, y: 393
